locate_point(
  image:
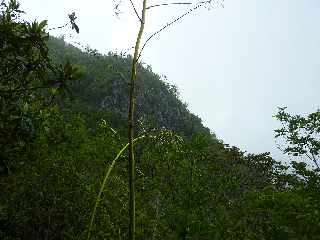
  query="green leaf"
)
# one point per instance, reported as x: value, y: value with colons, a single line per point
x: 43, y: 24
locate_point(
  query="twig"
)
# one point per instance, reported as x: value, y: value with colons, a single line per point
x: 98, y: 198
x: 312, y: 158
x: 135, y: 10
x: 127, y: 51
x: 200, y: 4
x: 58, y: 27
x: 168, y: 4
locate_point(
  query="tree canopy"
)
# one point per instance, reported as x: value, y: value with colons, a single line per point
x: 62, y: 123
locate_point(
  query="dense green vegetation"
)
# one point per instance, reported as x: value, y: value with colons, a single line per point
x: 62, y: 124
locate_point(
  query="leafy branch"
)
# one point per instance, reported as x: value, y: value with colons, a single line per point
x: 302, y: 134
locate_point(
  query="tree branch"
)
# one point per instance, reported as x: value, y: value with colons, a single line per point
x: 135, y: 10
x: 313, y: 158
x: 200, y: 4
x: 55, y: 28
x: 98, y: 198
x: 168, y: 4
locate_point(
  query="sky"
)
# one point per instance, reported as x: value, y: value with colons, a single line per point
x: 233, y: 64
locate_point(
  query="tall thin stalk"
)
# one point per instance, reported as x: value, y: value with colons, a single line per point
x: 131, y: 125
x: 98, y: 198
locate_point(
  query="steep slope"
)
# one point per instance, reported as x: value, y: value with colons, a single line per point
x: 54, y: 155
x: 105, y: 86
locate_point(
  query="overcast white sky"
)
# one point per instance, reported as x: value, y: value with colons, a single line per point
x: 232, y: 65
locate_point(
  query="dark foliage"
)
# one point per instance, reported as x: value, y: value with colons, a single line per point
x: 61, y: 130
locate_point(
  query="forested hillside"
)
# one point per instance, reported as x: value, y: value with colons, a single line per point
x: 105, y: 85
x: 63, y: 121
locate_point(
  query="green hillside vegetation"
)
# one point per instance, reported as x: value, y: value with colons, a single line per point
x: 105, y: 87
x: 63, y: 120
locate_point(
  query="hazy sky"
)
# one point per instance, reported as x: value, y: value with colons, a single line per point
x: 232, y: 65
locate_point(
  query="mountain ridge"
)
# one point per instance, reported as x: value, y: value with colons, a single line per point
x: 105, y: 86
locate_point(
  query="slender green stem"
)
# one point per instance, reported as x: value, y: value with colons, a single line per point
x: 104, y: 184
x: 131, y: 169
